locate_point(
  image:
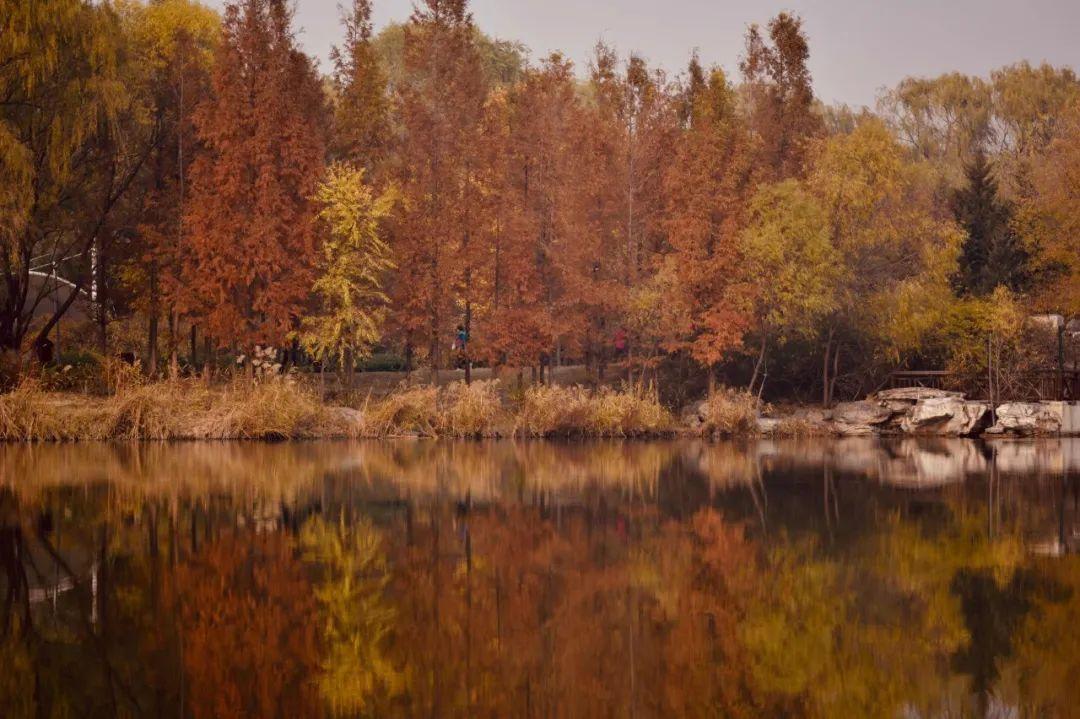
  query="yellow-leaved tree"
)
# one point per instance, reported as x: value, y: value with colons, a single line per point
x: 836, y: 255
x: 793, y: 265
x: 354, y: 261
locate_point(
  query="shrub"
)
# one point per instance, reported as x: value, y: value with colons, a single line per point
x: 408, y: 410
x: 273, y: 409
x: 470, y: 410
x: 152, y: 411
x: 382, y: 362
x: 570, y: 411
x: 730, y: 412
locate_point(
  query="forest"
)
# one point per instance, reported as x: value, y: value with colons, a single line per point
x: 191, y: 190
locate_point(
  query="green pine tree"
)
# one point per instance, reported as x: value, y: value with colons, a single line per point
x: 993, y: 254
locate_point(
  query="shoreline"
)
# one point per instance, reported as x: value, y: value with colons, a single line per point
x: 275, y: 411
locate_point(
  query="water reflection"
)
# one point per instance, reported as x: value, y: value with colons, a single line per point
x: 853, y: 578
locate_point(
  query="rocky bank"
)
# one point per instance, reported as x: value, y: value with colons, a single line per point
x: 915, y: 411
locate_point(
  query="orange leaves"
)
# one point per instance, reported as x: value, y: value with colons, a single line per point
x: 707, y: 189
x: 251, y: 245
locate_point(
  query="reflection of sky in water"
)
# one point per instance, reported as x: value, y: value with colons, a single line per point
x: 852, y: 577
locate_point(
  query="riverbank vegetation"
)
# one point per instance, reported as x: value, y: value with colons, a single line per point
x: 276, y: 409
x: 189, y: 190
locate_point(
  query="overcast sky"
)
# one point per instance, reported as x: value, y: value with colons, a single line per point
x: 857, y: 46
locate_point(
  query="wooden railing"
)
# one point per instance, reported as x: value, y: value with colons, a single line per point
x: 1044, y: 384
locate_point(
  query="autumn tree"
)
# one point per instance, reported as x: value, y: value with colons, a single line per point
x: 351, y: 269
x: 780, y: 95
x: 72, y: 143
x: 531, y: 139
x: 707, y: 188
x: 946, y: 120
x: 172, y: 52
x: 361, y: 104
x: 793, y: 265
x: 251, y: 217
x: 874, y: 217
x: 1049, y: 221
x: 436, y: 241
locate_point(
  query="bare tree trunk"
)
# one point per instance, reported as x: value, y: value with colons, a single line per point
x: 193, y: 360
x: 465, y: 344
x: 826, y: 399
x: 152, y: 330
x: 757, y: 365
x: 350, y: 365
x: 152, y: 345
x: 835, y: 372
x: 174, y: 342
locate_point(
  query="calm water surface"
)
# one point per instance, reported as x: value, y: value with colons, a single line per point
x: 847, y: 578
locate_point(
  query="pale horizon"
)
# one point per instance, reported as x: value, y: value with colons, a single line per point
x: 857, y: 48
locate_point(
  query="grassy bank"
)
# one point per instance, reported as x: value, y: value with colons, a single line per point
x: 277, y: 410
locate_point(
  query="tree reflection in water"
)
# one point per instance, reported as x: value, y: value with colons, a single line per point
x: 849, y: 578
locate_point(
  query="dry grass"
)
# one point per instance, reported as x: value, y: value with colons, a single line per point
x: 575, y: 411
x: 730, y: 412
x: 27, y: 414
x: 279, y: 409
x: 158, y: 411
x: 471, y: 410
x: 269, y: 410
x: 406, y: 411
x: 796, y: 428
x: 456, y: 410
x: 184, y: 409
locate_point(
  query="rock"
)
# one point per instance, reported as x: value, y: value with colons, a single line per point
x: 691, y: 415
x: 767, y: 425
x: 950, y: 416
x: 1026, y: 419
x: 914, y: 394
x: 854, y: 419
x: 346, y: 416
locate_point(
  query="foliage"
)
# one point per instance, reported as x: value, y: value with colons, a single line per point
x: 355, y: 260
x: 248, y: 270
x: 159, y: 161
x: 707, y: 187
x: 992, y: 255
x: 781, y: 96
x: 794, y: 266
x: 360, y: 101
x: 65, y: 110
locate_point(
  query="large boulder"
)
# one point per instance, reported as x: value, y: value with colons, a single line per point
x: 946, y: 415
x: 856, y: 419
x: 903, y: 399
x: 914, y: 394
x: 1027, y: 419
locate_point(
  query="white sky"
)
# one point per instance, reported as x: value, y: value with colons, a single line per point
x: 857, y: 46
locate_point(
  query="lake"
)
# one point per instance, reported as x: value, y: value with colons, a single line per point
x: 816, y: 578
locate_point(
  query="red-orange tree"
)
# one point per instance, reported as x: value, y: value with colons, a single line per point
x: 251, y: 218
x: 361, y: 104
x: 707, y: 188
x: 530, y: 150
x: 436, y: 244
x: 782, y: 114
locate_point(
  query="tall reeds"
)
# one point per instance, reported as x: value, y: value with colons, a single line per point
x: 278, y: 409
